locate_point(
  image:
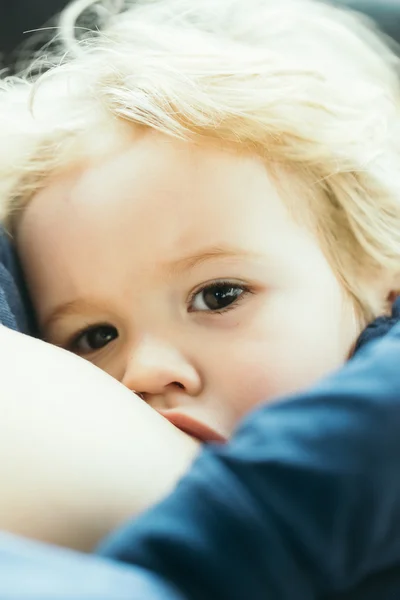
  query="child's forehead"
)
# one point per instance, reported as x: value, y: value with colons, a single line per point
x: 157, y: 172
x: 159, y: 217
x: 177, y: 194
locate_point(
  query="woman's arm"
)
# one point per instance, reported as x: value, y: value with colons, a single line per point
x: 79, y: 453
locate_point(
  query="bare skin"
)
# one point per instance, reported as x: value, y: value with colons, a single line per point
x: 179, y: 270
x: 81, y: 453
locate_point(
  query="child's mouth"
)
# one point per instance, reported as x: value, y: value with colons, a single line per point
x: 192, y: 427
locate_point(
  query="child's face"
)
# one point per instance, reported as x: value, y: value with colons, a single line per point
x: 179, y: 270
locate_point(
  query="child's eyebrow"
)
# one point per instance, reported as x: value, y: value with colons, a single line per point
x: 206, y: 254
x: 74, y: 307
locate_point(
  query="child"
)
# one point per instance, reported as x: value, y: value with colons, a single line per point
x: 205, y: 211
x: 204, y: 199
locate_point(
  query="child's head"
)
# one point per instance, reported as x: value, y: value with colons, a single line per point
x: 206, y: 198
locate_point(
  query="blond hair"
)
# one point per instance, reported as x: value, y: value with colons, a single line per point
x: 299, y: 82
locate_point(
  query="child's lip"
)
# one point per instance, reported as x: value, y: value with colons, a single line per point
x: 192, y: 427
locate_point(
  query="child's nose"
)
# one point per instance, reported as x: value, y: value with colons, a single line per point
x: 157, y: 369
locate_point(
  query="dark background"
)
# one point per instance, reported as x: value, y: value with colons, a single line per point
x: 19, y: 16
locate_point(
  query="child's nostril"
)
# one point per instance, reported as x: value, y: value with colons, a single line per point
x: 178, y: 384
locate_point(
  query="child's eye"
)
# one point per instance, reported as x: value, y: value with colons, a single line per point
x: 217, y: 297
x: 93, y: 339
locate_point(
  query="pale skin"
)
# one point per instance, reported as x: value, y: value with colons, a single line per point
x: 144, y: 240
x: 179, y: 270
x: 80, y: 453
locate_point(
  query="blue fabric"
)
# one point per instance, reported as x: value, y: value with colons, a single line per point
x: 34, y: 571
x: 380, y: 327
x: 14, y: 311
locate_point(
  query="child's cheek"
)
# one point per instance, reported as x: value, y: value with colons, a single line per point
x: 247, y: 377
x: 258, y: 373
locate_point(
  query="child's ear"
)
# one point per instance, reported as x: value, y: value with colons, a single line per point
x: 392, y: 281
x: 383, y: 289
x: 390, y: 289
x: 392, y: 297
